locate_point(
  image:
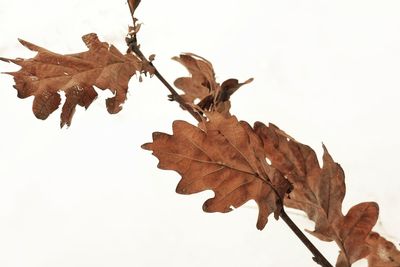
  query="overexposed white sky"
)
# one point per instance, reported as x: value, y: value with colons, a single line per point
x: 325, y: 71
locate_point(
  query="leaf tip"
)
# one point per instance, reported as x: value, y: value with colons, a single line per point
x: 324, y: 147
x: 248, y: 81
x: 91, y: 40
x: 63, y: 123
x: 29, y: 45
x: 146, y: 146
x: 261, y: 224
x: 182, y: 190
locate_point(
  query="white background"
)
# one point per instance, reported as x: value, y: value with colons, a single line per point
x: 325, y: 71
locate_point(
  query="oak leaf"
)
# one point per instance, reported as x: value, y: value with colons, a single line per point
x: 319, y: 192
x: 201, y: 88
x: 223, y: 155
x: 48, y: 73
x: 202, y: 80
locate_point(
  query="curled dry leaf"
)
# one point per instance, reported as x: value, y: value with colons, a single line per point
x: 48, y: 73
x: 223, y: 155
x: 319, y: 192
x: 202, y: 80
x: 203, y: 87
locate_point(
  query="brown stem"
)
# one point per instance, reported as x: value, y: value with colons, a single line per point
x: 318, y: 257
x: 134, y: 47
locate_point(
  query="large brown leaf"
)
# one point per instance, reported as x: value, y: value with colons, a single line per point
x: 223, y: 155
x: 319, y: 192
x: 48, y: 73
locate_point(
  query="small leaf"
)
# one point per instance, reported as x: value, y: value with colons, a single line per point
x: 203, y: 86
x: 202, y: 80
x: 229, y: 87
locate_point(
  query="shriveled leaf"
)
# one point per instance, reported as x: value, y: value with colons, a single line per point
x: 353, y: 231
x: 383, y: 253
x: 223, y: 155
x: 202, y: 80
x: 229, y: 87
x: 48, y: 73
x: 319, y: 192
x: 203, y: 87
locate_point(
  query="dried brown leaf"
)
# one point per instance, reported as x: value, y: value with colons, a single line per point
x: 202, y: 80
x: 48, y: 73
x: 225, y: 156
x: 229, y: 87
x: 319, y: 192
x: 203, y: 86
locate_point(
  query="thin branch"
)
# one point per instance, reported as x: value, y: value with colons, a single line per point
x: 133, y: 46
x: 174, y: 95
x: 318, y: 257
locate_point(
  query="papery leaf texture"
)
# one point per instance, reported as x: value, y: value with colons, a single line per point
x: 223, y: 155
x: 319, y: 192
x: 49, y: 73
x: 383, y: 253
x: 239, y: 163
x: 201, y: 88
x: 353, y: 230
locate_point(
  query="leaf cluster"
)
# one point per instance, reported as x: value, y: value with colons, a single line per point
x: 239, y: 162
